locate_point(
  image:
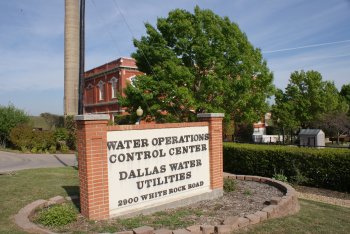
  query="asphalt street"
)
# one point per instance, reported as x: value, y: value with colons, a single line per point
x: 17, y: 161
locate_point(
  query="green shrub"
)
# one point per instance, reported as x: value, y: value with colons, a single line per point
x: 61, y: 134
x: 21, y: 137
x: 280, y: 176
x: 10, y: 117
x: 25, y: 138
x: 61, y: 137
x: 34, y: 150
x: 70, y: 125
x: 247, y: 192
x: 229, y: 185
x: 299, y: 178
x: 57, y: 215
x: 327, y: 168
x: 52, y: 149
x: 43, y: 140
x: 64, y: 148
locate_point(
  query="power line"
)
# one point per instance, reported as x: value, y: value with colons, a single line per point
x: 114, y: 40
x: 142, y: 52
x: 109, y: 32
x: 306, y: 46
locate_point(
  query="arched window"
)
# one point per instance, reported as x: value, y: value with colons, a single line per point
x: 114, y: 89
x: 101, y: 90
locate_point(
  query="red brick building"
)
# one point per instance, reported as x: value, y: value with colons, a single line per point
x: 103, y: 83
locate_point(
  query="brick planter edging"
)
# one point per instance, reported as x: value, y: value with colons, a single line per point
x: 279, y: 207
x: 22, y: 218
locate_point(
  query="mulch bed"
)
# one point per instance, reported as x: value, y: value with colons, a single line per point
x: 248, y: 197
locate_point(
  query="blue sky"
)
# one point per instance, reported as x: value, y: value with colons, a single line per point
x: 292, y: 34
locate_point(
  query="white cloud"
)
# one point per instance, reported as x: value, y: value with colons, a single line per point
x: 332, y: 62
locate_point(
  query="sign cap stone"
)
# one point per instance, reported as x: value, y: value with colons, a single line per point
x: 91, y: 117
x: 210, y: 115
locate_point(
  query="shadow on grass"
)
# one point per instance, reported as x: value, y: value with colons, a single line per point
x: 73, y: 192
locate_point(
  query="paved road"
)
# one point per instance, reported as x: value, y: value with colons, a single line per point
x: 17, y: 161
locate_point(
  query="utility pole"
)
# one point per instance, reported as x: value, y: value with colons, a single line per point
x: 82, y: 58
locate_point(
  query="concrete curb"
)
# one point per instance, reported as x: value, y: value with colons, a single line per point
x: 278, y: 207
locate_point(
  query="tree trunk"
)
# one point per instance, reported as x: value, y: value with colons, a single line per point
x: 338, y: 135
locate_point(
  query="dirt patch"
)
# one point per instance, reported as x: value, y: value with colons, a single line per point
x: 324, y: 195
x: 322, y: 192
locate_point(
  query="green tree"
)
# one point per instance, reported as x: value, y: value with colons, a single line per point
x: 54, y: 121
x: 197, y: 63
x: 10, y: 117
x: 335, y: 124
x: 283, y: 111
x: 306, y: 98
x: 345, y: 93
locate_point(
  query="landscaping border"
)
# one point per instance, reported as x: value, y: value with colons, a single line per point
x: 22, y: 218
x: 278, y: 207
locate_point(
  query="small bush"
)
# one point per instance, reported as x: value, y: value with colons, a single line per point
x: 21, y: 137
x: 52, y: 149
x: 247, y: 192
x: 57, y: 215
x: 64, y: 148
x: 229, y: 185
x: 280, y: 176
x: 299, y: 178
x: 70, y: 125
x: 25, y: 138
x: 10, y: 117
x: 61, y: 134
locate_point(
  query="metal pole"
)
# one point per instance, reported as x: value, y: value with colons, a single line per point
x: 82, y: 58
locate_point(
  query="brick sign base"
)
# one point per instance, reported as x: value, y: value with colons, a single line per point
x: 131, y: 169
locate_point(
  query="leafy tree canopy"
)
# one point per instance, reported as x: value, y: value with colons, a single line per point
x: 306, y: 98
x: 334, y: 124
x: 54, y: 121
x: 10, y: 117
x: 345, y: 93
x: 197, y: 63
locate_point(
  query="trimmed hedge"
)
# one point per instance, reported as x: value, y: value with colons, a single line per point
x: 326, y: 168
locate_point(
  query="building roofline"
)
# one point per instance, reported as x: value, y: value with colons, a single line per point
x: 111, y: 66
x: 126, y: 58
x: 109, y: 71
x: 111, y: 62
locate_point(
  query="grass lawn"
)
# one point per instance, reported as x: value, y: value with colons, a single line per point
x: 314, y: 217
x: 26, y: 186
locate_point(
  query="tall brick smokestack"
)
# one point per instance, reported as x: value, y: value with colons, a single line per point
x: 71, y: 57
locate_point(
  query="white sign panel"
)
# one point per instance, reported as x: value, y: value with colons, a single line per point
x: 156, y: 166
